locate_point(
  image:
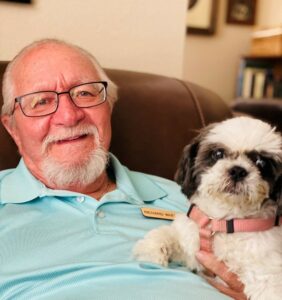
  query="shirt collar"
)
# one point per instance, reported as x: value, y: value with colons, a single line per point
x: 138, y: 185
x: 19, y: 185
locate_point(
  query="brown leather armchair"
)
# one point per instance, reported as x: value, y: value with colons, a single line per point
x: 154, y: 118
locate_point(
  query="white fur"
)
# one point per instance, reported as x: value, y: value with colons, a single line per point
x: 244, y: 133
x: 256, y: 257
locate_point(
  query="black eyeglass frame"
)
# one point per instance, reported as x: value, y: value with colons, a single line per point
x: 19, y: 98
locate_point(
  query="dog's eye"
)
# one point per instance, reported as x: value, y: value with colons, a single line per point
x: 260, y: 161
x: 217, y: 154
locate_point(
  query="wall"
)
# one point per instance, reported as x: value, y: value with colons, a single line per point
x: 212, y: 61
x: 126, y: 34
x: 269, y: 13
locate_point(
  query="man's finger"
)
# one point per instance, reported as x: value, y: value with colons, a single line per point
x: 209, y: 261
x: 237, y: 295
x: 208, y: 273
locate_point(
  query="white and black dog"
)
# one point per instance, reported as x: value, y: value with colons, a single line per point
x: 232, y: 175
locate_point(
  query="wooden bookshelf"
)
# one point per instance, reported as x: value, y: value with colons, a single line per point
x: 260, y: 74
x: 259, y: 77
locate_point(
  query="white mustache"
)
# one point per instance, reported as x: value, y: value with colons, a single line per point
x: 69, y: 133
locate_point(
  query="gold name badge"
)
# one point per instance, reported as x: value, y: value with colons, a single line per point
x: 158, y: 213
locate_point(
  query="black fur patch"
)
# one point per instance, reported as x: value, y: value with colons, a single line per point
x: 266, y: 165
x: 209, y: 154
x: 188, y: 171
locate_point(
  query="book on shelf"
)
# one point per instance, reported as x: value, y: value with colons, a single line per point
x: 277, y: 89
x: 247, y: 82
x: 254, y: 83
x: 259, y: 84
x: 256, y: 80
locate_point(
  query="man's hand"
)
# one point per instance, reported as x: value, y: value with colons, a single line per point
x: 233, y: 288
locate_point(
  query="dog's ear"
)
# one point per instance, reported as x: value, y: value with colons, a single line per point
x: 184, y: 174
x: 276, y: 193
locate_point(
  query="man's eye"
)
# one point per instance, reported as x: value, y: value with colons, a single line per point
x: 42, y: 102
x: 217, y: 154
x: 84, y: 94
x: 39, y: 102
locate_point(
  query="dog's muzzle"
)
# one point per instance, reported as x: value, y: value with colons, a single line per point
x: 237, y: 173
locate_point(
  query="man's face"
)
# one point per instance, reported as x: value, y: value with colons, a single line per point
x: 56, y: 68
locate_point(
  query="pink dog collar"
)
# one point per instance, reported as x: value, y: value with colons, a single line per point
x: 208, y: 226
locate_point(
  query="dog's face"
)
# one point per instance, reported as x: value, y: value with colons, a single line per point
x: 235, y: 163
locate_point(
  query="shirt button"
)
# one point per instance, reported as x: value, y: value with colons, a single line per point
x: 100, y: 214
x: 80, y: 199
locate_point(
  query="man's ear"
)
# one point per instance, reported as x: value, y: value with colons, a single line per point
x: 9, y: 124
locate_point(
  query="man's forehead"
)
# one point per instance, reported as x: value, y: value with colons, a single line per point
x: 44, y: 66
x: 47, y: 53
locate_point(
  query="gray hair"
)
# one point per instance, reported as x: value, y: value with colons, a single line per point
x: 8, y: 86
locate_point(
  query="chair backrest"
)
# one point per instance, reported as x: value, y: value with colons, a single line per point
x: 154, y: 118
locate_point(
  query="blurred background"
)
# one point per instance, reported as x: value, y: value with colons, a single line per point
x: 152, y: 36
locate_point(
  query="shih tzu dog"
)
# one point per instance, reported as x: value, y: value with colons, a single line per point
x: 232, y: 176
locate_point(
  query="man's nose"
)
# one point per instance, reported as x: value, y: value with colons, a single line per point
x: 67, y: 114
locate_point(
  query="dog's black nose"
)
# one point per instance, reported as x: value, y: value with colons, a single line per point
x: 237, y: 173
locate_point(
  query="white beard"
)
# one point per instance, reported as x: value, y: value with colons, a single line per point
x: 80, y: 173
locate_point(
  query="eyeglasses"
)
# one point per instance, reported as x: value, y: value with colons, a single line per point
x: 44, y: 103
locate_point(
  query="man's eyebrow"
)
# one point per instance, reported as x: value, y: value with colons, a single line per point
x: 45, y: 86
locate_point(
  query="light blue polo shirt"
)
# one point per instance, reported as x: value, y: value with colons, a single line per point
x: 57, y: 244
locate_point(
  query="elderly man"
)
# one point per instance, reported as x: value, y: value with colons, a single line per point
x: 70, y: 212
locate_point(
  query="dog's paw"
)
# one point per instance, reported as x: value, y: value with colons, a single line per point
x: 150, y: 251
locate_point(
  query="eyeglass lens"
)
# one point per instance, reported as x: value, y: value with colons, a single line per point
x: 44, y: 103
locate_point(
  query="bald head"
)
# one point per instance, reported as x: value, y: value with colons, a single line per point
x: 30, y: 59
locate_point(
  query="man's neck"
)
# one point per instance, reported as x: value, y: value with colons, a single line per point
x: 102, y: 185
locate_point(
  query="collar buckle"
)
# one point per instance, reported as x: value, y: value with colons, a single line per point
x: 230, y: 226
